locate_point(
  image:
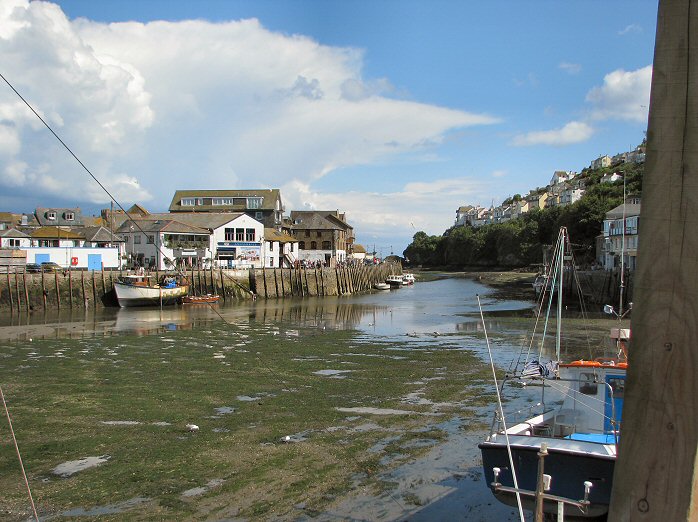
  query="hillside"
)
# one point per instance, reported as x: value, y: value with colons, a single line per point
x: 519, y: 242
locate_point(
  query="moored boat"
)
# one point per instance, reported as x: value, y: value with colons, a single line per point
x: 381, y: 286
x: 576, y: 439
x: 395, y: 281
x: 141, y: 290
x: 408, y: 279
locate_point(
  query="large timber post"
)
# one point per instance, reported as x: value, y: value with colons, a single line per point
x: 655, y: 476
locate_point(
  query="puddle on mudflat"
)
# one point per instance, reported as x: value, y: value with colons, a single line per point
x: 296, y: 437
x: 74, y: 466
x: 386, y: 411
x: 224, y: 410
x: 109, y: 509
x: 120, y: 423
x: 195, y: 492
x: 333, y: 374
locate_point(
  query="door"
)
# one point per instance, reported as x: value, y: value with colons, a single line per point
x: 614, y: 404
x: 41, y: 258
x: 94, y: 261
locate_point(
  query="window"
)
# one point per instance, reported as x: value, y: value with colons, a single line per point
x: 618, y: 386
x: 587, y: 384
x: 319, y: 233
x: 249, y: 234
x: 14, y: 242
x: 239, y: 234
x: 254, y: 202
x: 69, y: 216
x: 326, y: 245
x: 258, y: 215
x: 51, y: 216
x: 230, y: 234
x: 136, y: 239
x: 313, y: 245
x: 307, y: 233
x: 301, y: 245
x: 151, y: 240
x: 188, y: 202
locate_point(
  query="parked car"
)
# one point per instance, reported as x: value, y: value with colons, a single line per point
x: 32, y: 267
x: 50, y: 266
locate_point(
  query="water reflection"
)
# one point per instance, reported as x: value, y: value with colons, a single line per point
x: 427, y: 308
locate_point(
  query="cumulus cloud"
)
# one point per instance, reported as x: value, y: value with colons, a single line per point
x: 624, y: 95
x: 165, y: 105
x: 393, y: 215
x: 573, y: 132
x: 570, y: 68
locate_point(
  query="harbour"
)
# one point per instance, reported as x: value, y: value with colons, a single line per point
x: 370, y: 389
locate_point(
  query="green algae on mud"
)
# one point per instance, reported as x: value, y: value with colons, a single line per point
x: 130, y: 398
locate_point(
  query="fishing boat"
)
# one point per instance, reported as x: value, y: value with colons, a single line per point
x: 381, y: 286
x: 394, y: 281
x: 564, y: 453
x: 141, y: 290
x: 200, y: 299
x: 408, y: 279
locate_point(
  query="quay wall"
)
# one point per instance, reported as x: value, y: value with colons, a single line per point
x: 80, y: 289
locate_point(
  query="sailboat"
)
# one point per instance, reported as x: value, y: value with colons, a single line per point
x: 575, y: 434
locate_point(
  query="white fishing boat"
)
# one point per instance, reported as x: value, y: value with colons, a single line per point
x: 576, y: 429
x: 408, y: 279
x: 141, y: 290
x: 381, y: 286
x: 394, y: 281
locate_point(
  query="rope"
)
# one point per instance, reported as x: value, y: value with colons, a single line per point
x: 501, y: 412
x: 14, y: 440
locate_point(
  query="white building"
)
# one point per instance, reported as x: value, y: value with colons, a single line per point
x: 13, y: 238
x: 621, y: 224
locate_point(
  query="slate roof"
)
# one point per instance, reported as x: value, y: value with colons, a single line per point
x: 269, y: 199
x: 100, y: 235
x: 160, y: 225
x: 42, y: 213
x: 631, y: 209
x: 12, y: 232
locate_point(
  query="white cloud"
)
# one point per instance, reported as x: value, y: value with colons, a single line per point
x: 499, y: 173
x: 624, y: 95
x: 573, y: 132
x: 628, y: 29
x: 154, y: 107
x: 570, y: 68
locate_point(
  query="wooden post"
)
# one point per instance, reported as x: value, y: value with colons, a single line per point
x: 220, y: 269
x: 84, y: 294
x: 70, y: 287
x: 94, y: 291
x: 656, y: 476
x: 58, y: 290
x: 26, y: 292
x: 104, y: 285
x: 9, y: 290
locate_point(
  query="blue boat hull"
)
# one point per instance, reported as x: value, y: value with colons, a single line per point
x: 568, y: 470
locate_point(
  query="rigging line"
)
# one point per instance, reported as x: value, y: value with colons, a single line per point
x: 19, y: 456
x: 501, y: 412
x: 133, y: 221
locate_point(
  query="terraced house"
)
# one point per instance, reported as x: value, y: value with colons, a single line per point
x: 323, y: 235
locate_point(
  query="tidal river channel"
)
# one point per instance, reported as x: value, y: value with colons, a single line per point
x: 366, y: 407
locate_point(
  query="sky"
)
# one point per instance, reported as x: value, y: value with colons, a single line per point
x: 396, y: 112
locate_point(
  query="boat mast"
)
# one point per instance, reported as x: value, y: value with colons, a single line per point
x: 561, y: 271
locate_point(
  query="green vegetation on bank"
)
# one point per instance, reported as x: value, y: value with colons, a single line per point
x: 519, y: 242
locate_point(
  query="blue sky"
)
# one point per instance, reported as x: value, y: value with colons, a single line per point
x: 396, y: 112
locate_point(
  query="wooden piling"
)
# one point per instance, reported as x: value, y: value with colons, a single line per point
x: 104, y: 286
x: 9, y: 290
x: 26, y: 292
x: 58, y: 290
x: 94, y: 291
x: 84, y: 294
x: 70, y: 288
x: 220, y: 269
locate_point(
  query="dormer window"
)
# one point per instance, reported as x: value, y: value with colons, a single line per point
x: 51, y: 216
x: 254, y: 202
x: 188, y: 202
x: 69, y: 216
